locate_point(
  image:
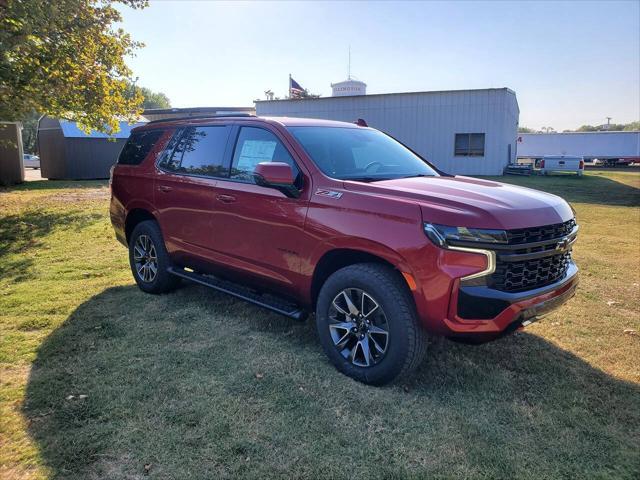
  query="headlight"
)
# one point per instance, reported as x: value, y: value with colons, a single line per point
x: 442, y: 234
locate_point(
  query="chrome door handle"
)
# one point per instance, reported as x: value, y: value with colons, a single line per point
x: 164, y: 188
x: 226, y: 198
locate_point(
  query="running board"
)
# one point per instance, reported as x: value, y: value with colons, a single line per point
x: 277, y: 305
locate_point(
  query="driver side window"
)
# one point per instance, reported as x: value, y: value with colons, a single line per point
x: 257, y: 145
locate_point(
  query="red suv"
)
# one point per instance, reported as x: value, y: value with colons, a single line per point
x: 300, y: 215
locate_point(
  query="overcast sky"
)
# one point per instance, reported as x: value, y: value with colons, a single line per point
x: 569, y: 63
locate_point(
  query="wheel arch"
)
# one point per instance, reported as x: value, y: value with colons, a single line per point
x: 134, y: 217
x: 337, y: 258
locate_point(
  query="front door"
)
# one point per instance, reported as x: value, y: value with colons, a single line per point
x: 259, y: 229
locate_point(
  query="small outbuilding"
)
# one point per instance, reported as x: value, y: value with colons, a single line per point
x: 11, y: 161
x: 67, y: 153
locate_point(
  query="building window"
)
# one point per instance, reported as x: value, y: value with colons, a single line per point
x: 469, y: 145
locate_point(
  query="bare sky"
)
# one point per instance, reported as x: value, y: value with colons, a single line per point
x: 570, y: 63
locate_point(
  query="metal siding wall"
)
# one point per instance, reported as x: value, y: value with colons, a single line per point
x: 52, y: 150
x: 427, y: 122
x: 91, y: 158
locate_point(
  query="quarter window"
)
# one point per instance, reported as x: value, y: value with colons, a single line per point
x: 254, y: 146
x: 469, y: 145
x: 138, y: 147
x: 200, y: 151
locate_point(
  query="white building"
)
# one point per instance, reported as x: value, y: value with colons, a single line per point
x: 623, y: 147
x: 470, y: 132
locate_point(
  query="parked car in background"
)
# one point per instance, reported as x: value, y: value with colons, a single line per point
x: 561, y: 163
x: 31, y: 161
x: 301, y: 215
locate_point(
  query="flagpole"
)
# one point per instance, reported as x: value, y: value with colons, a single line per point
x: 289, y: 85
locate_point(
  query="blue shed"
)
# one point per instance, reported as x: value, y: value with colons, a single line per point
x: 66, y: 152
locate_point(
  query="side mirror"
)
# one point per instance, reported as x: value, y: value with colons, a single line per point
x: 276, y: 175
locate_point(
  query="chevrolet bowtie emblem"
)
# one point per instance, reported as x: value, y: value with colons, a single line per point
x: 563, y: 244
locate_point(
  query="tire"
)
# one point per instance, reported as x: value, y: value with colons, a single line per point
x: 405, y: 341
x: 146, y: 247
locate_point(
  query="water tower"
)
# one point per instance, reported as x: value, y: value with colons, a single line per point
x: 350, y: 86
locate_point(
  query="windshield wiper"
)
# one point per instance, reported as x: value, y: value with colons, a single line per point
x: 417, y: 175
x: 366, y: 179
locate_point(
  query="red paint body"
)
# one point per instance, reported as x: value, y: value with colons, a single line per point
x: 260, y: 236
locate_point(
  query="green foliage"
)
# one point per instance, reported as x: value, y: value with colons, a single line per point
x: 526, y: 130
x: 154, y: 99
x: 30, y: 131
x: 65, y: 58
x: 150, y: 99
x: 614, y: 127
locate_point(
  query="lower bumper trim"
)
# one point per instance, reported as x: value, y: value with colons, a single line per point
x: 484, y: 303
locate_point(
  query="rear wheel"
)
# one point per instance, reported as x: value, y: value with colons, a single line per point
x: 149, y: 259
x: 367, y: 324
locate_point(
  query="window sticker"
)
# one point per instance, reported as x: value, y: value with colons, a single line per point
x: 255, y: 151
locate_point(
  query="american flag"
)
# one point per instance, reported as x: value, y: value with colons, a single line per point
x: 295, y: 89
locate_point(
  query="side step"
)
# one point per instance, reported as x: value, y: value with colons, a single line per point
x: 269, y: 302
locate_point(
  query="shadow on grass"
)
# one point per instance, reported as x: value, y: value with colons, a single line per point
x: 24, y: 233
x: 198, y: 385
x: 591, y: 188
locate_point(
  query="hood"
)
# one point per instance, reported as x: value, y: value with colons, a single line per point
x: 470, y: 202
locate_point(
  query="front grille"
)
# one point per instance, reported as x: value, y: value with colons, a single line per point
x: 539, y: 234
x: 530, y: 274
x: 516, y: 271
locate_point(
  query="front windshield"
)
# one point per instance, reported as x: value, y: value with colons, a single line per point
x: 359, y: 154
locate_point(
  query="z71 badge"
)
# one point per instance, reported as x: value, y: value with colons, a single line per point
x: 328, y: 193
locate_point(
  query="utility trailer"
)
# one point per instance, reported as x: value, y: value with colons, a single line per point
x: 608, y: 148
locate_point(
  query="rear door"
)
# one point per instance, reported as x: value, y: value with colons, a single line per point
x: 260, y: 231
x: 185, y: 190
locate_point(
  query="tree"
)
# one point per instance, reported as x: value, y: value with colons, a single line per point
x: 65, y: 58
x: 526, y: 130
x: 632, y: 127
x: 587, y: 128
x: 153, y: 99
x: 30, y: 131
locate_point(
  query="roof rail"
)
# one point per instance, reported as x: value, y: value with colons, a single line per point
x: 200, y: 117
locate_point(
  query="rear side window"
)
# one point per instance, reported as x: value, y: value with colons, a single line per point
x: 256, y: 145
x: 200, y: 151
x: 138, y: 147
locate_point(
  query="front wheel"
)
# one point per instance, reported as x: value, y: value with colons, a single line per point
x: 149, y: 259
x: 367, y: 324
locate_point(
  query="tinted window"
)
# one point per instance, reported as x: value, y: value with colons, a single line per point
x: 469, y: 145
x: 256, y: 145
x: 138, y: 147
x: 359, y: 153
x: 200, y: 151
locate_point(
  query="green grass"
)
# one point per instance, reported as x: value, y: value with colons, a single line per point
x: 195, y: 384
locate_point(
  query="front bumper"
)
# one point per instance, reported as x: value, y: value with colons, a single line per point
x: 483, y: 311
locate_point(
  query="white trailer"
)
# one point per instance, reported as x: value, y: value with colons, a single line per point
x: 610, y: 148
